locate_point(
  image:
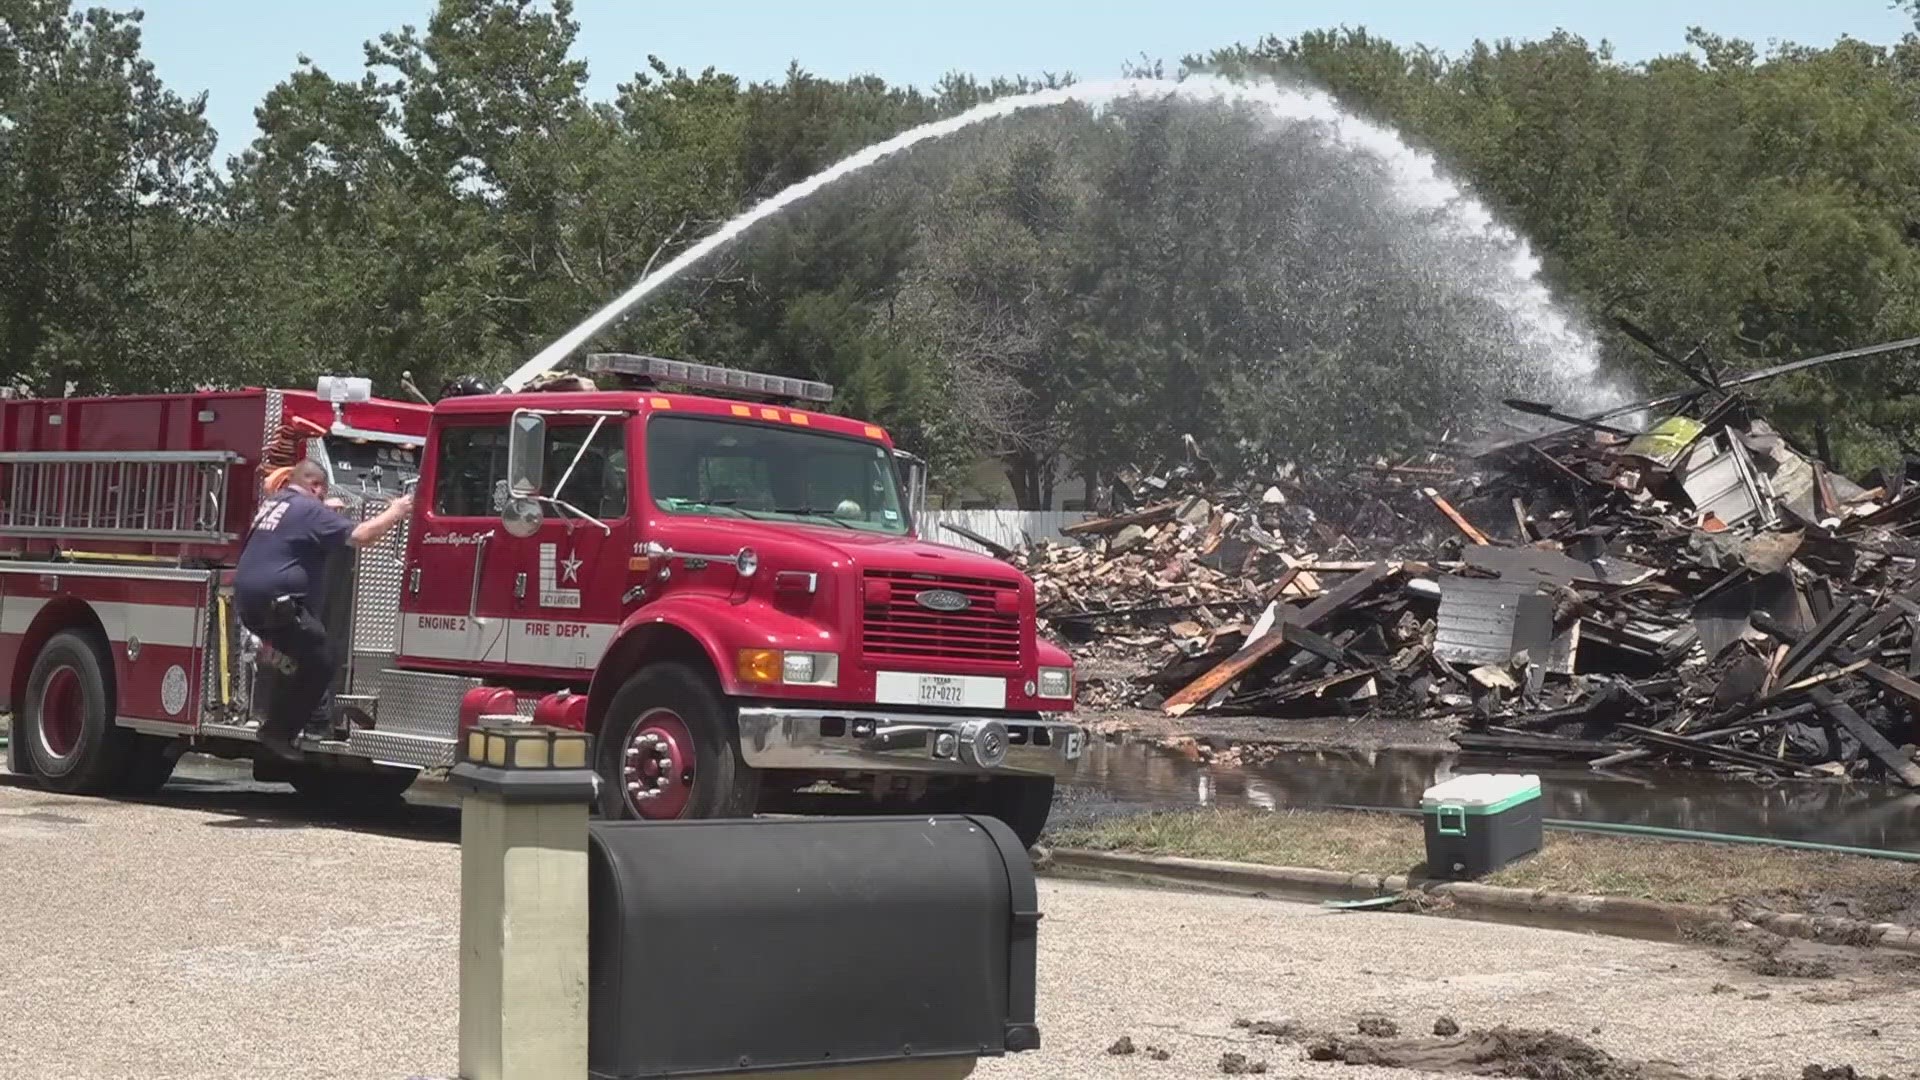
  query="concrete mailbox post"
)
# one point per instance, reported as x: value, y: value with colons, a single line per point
x: 523, y: 901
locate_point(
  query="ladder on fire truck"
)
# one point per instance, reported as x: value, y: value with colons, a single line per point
x: 161, y: 495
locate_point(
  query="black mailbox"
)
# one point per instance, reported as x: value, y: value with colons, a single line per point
x: 742, y: 945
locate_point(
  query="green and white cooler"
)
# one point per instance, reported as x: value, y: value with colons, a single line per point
x: 1480, y: 822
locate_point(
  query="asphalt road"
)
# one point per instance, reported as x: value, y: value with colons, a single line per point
x: 223, y: 932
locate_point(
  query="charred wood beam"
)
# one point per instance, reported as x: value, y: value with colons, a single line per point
x: 1720, y: 753
x: 1876, y: 744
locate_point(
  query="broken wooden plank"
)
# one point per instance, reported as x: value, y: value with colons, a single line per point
x: 997, y: 550
x: 1215, y: 530
x: 1773, y: 669
x: 1280, y: 584
x: 1534, y: 742
x: 1252, y: 653
x: 1875, y: 743
x: 1137, y: 609
x: 1840, y: 672
x: 1459, y: 520
x: 1621, y: 758
x: 1146, y: 515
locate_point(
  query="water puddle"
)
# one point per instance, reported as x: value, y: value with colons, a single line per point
x: 1861, y: 815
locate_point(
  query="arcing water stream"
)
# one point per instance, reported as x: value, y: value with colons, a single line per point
x: 1565, y: 359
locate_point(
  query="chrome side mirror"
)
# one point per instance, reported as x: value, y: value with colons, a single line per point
x: 526, y: 453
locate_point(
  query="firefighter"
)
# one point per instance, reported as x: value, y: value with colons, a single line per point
x: 276, y: 584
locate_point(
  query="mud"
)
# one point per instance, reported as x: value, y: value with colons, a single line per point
x: 1843, y: 958
x: 1502, y: 1051
x: 1234, y: 1063
x: 1894, y: 903
x: 1377, y: 1027
x: 1284, y: 1031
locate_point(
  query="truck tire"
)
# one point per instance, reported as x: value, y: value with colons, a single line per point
x: 72, y: 741
x: 150, y: 762
x: 382, y: 785
x: 1023, y: 802
x: 681, y: 730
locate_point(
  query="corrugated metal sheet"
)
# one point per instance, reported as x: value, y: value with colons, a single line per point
x: 1010, y: 528
x: 1488, y: 622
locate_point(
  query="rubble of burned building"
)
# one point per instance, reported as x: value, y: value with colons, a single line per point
x: 1695, y: 591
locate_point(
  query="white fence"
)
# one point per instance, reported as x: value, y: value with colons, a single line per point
x: 1009, y: 528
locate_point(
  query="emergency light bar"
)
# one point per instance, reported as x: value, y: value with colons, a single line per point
x: 657, y: 369
x: 343, y: 388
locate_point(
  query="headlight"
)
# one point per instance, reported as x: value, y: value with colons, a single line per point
x: 770, y: 666
x: 1056, y: 682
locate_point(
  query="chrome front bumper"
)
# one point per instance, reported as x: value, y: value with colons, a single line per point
x: 865, y: 740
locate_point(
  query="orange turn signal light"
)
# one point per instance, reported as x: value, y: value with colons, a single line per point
x: 758, y: 665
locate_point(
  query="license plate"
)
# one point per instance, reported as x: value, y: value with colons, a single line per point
x: 943, y: 691
x: 1073, y: 746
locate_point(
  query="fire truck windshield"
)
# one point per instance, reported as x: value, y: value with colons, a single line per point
x: 731, y: 469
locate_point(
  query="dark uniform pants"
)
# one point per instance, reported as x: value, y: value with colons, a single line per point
x: 304, y: 661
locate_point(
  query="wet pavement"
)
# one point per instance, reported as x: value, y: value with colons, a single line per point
x: 1122, y: 777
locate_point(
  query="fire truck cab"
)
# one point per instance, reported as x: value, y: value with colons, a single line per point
x: 729, y: 592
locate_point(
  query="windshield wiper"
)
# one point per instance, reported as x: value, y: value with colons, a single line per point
x: 810, y: 512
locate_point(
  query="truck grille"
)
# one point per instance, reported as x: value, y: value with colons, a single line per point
x: 904, y: 630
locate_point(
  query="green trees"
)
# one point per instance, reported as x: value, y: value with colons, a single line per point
x: 1070, y: 290
x: 103, y: 174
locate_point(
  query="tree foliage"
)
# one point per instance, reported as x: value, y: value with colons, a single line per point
x: 1066, y: 291
x: 103, y: 173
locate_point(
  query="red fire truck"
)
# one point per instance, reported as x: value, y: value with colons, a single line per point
x: 728, y: 591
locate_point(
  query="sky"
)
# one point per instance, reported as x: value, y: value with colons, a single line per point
x: 236, y: 50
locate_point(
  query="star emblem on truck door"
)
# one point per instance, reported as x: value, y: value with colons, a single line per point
x: 570, y: 568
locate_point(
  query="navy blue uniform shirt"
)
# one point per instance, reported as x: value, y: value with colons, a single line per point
x: 293, y: 535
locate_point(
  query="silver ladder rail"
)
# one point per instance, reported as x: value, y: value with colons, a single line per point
x: 116, y: 495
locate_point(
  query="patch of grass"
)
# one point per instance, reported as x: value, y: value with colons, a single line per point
x: 1675, y: 871
x: 1325, y: 840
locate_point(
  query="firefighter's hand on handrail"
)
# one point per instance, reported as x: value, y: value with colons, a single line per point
x: 371, y: 530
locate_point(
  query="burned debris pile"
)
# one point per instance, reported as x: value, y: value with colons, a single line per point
x: 1697, y: 592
